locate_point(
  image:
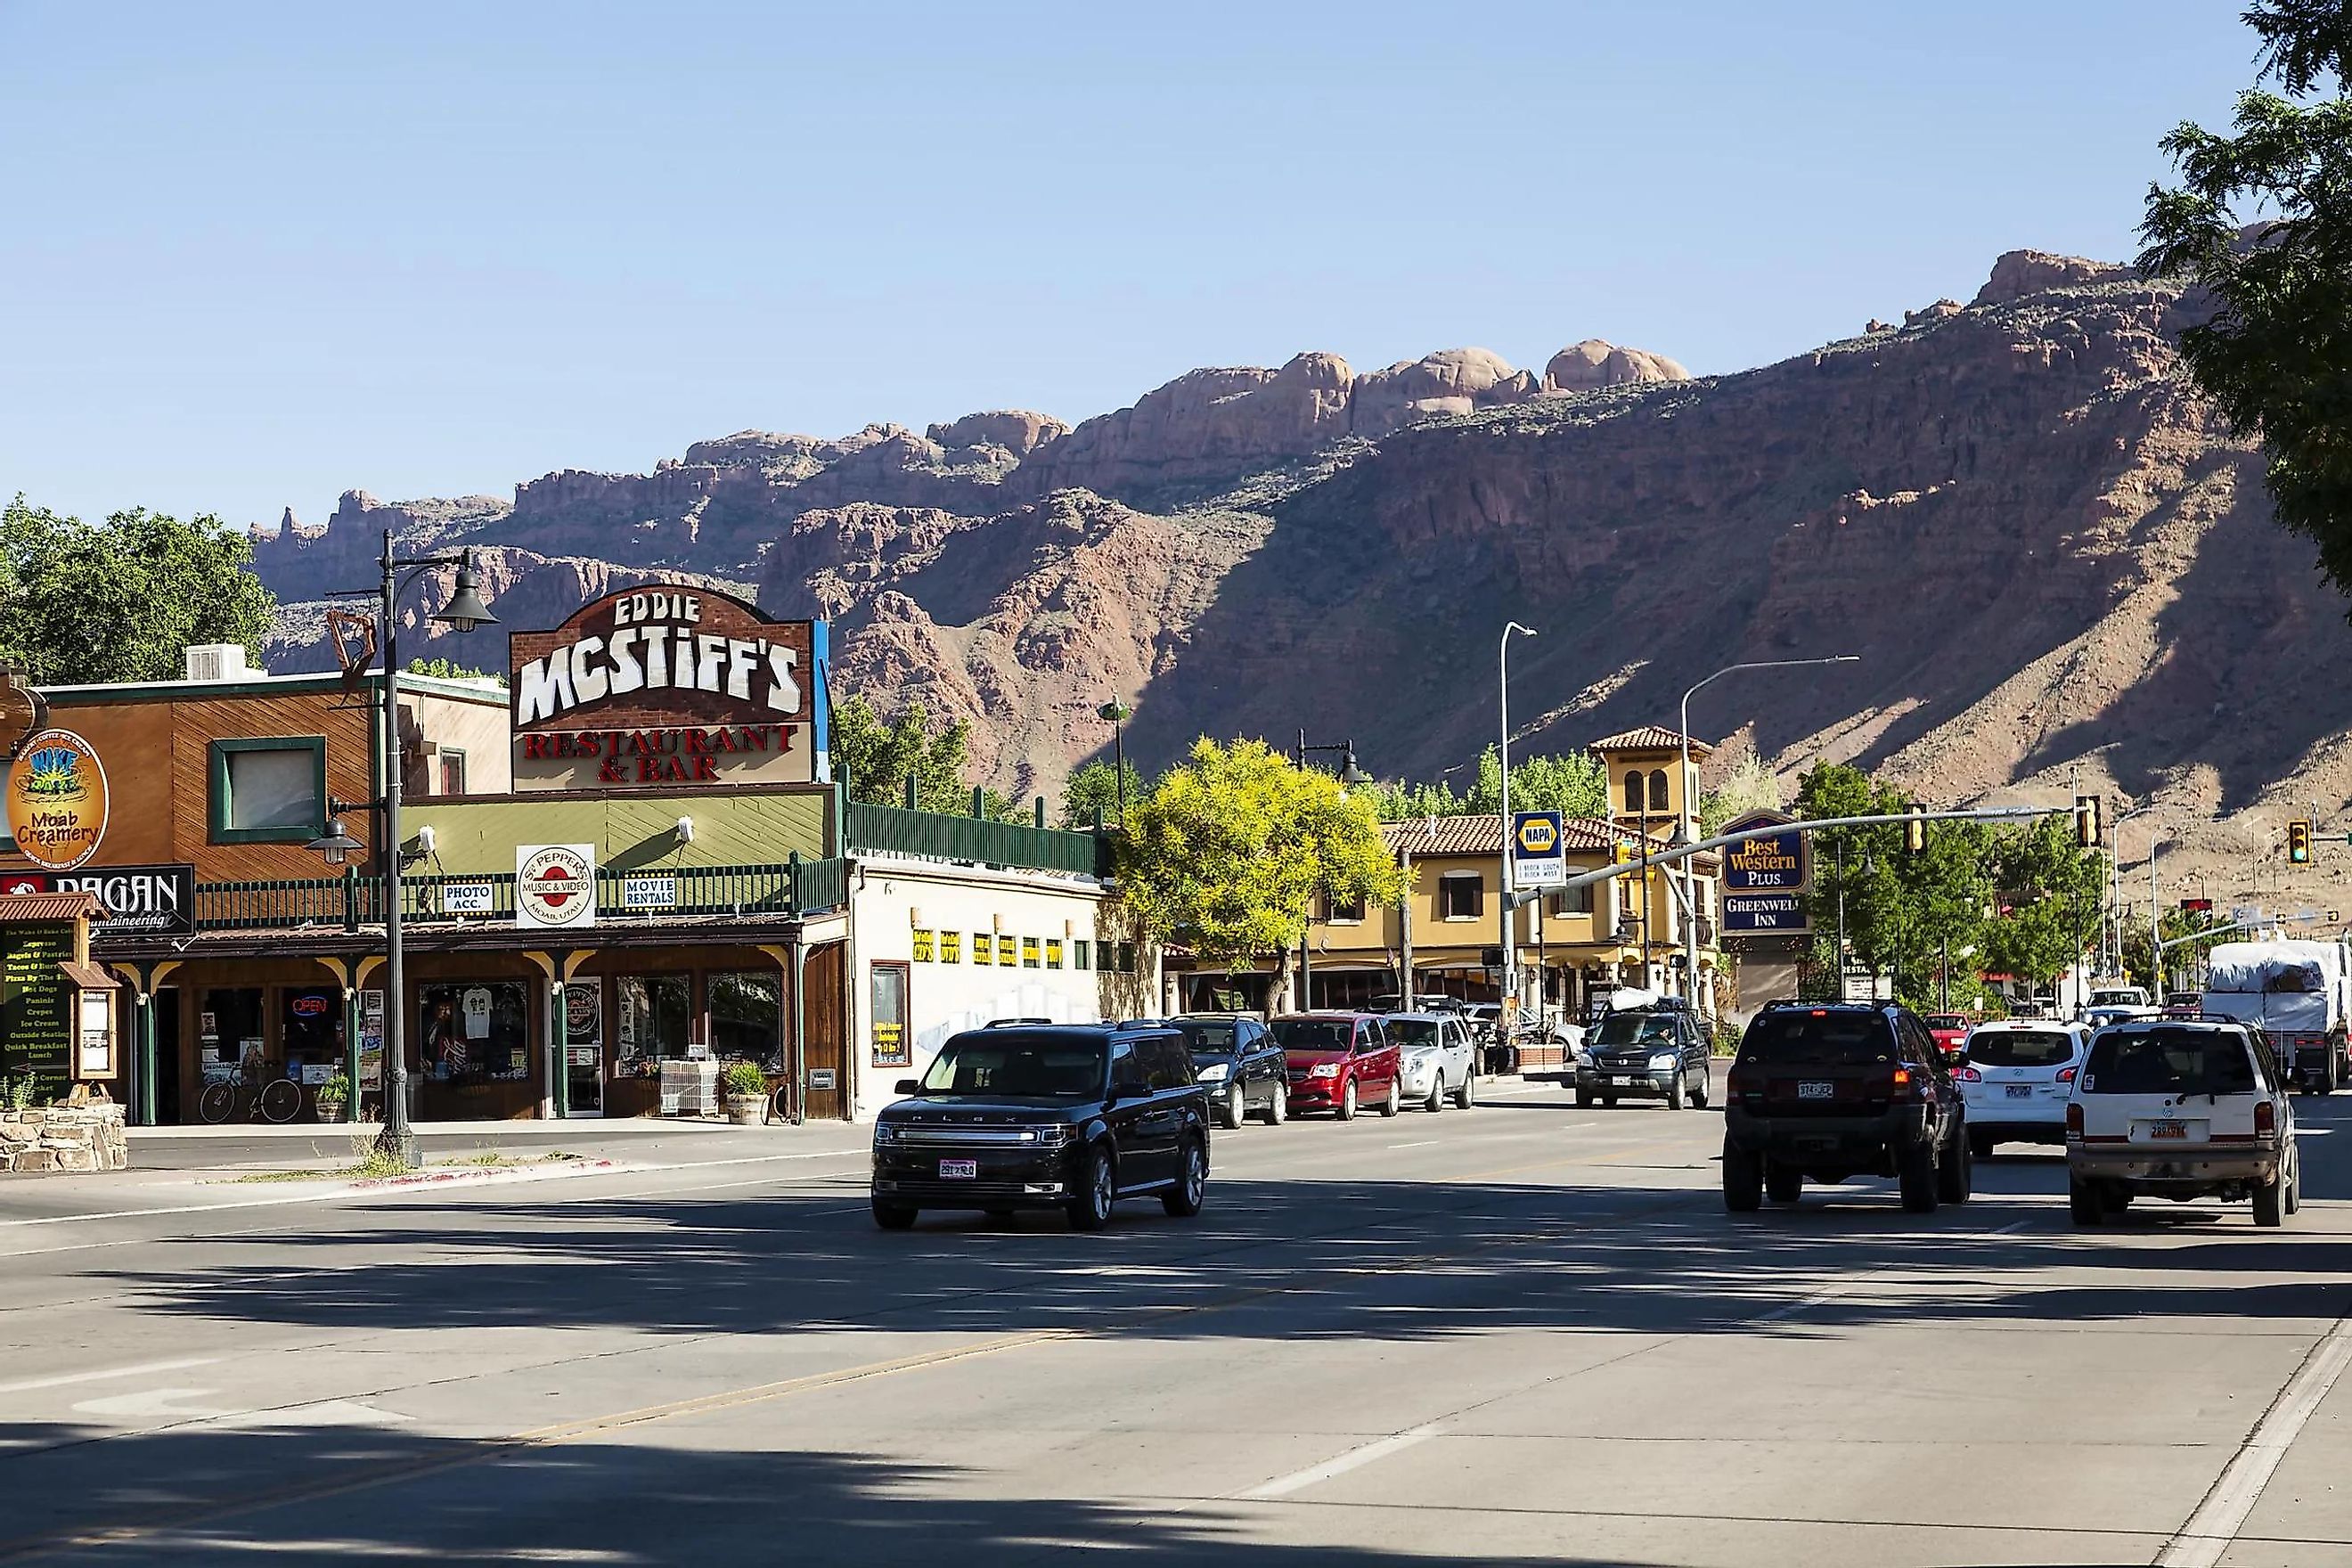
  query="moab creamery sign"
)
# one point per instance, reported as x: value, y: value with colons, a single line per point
x: 57, y: 800
x: 665, y: 685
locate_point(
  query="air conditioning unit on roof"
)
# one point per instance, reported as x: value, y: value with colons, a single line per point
x: 217, y: 662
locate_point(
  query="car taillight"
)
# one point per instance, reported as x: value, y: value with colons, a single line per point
x: 2065, y: 1075
x: 2265, y: 1117
x: 2074, y: 1119
x: 1967, y: 1075
x: 1901, y: 1090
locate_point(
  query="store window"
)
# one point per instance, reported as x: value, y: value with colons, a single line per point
x: 269, y: 791
x: 1081, y: 954
x: 1657, y: 789
x: 1573, y: 900
x: 475, y: 1031
x: 656, y: 1019
x: 1461, y: 896
x: 310, y: 1025
x: 453, y: 771
x: 746, y: 1014
x: 1052, y: 953
x: 228, y: 1031
x: 1341, y: 909
x: 1632, y: 792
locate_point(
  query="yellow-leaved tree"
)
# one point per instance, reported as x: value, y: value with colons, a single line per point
x: 1227, y: 854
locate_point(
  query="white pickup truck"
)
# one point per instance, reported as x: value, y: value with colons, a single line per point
x: 2117, y: 1005
x: 2299, y: 992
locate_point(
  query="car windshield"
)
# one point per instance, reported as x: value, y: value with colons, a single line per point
x: 1016, y: 1064
x: 1822, y: 1037
x: 2169, y: 1061
x: 1635, y: 1029
x: 2020, y: 1048
x: 1407, y: 1033
x: 1313, y: 1033
x: 1208, y: 1040
x: 1948, y: 1020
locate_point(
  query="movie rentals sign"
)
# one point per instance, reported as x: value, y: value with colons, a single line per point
x: 660, y: 686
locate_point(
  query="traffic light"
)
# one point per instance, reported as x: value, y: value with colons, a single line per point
x: 2087, y: 834
x: 2298, y: 842
x: 1915, y: 831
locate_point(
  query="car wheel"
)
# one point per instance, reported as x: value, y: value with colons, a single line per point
x: 1182, y: 1201
x: 1956, y: 1172
x: 1469, y: 1095
x: 1394, y: 1102
x: 2270, y: 1207
x: 1436, y: 1101
x: 1583, y: 1098
x: 1277, y: 1109
x: 1674, y: 1093
x: 1915, y: 1172
x: 2294, y: 1185
x: 1785, y: 1183
x: 1981, y: 1144
x: 1235, y: 1107
x: 893, y: 1216
x: 1698, y: 1095
x: 2083, y: 1202
x: 1743, y: 1179
x: 1348, y: 1102
x: 1090, y: 1206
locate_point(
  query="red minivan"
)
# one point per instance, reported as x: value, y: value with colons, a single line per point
x: 1338, y: 1061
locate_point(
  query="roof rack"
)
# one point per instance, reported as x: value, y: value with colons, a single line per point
x: 1013, y: 1022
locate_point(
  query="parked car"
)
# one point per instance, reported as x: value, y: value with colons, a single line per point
x: 2184, y: 1004
x: 1072, y: 1116
x: 1339, y: 1062
x: 1390, y: 1002
x: 1827, y: 1091
x: 1235, y: 1057
x: 1951, y: 1030
x: 2117, y: 1005
x: 1434, y: 1059
x: 1657, y: 1052
x: 2179, y: 1109
x: 2016, y: 1079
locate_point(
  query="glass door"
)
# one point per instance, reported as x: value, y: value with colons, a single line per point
x: 583, y: 1047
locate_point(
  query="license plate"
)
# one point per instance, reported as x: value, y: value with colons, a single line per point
x: 1620, y: 1080
x: 2020, y: 1091
x: 1817, y: 1091
x: 959, y: 1169
x: 2175, y: 1129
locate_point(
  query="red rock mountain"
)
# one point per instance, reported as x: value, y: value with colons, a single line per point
x: 2058, y: 571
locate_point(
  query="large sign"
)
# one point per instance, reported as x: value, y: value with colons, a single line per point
x: 665, y: 685
x: 36, y: 1022
x: 57, y: 800
x: 1539, y: 855
x: 1753, y: 914
x: 555, y: 885
x: 1778, y: 863
x: 140, y: 900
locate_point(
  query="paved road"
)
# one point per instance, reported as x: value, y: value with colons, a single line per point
x: 1527, y: 1333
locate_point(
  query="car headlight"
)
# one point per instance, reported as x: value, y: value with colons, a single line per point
x: 1324, y: 1070
x: 1214, y: 1072
x: 1665, y: 1062
x: 885, y: 1133
x: 1054, y: 1136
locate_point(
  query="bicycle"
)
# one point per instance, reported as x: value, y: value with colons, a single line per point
x: 279, y: 1101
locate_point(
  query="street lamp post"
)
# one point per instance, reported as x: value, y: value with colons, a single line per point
x: 463, y: 613
x: 1510, y: 976
x: 1349, y: 777
x: 1115, y: 714
x: 2155, y: 914
x: 1682, y: 817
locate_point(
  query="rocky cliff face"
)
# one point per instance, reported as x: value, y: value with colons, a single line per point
x: 2058, y: 571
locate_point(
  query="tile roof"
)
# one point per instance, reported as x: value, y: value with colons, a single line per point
x: 1650, y: 738
x: 1483, y: 835
x: 15, y: 907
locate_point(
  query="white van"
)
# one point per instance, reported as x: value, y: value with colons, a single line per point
x: 2180, y: 1108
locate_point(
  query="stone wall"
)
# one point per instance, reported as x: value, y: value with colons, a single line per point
x: 63, y: 1138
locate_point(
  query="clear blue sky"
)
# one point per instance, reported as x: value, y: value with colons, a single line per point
x: 252, y: 255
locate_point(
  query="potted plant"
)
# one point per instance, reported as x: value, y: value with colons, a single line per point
x: 334, y: 1096
x: 746, y: 1094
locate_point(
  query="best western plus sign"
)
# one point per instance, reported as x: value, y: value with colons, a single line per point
x: 665, y: 686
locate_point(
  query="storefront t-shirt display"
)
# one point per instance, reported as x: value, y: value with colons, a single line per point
x: 475, y: 1031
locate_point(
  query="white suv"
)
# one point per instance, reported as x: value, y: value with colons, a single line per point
x: 2180, y: 1108
x: 2016, y: 1078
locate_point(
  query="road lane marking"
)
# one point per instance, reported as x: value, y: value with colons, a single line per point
x: 30, y: 1383
x: 1423, y: 1143
x: 1354, y: 1459
x: 2214, y: 1527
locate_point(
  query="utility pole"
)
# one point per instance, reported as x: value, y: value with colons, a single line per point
x: 1510, y: 972
x: 1841, y: 917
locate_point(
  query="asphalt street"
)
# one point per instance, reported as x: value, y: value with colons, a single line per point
x: 1522, y: 1333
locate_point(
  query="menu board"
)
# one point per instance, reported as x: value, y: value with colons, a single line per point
x: 36, y: 1005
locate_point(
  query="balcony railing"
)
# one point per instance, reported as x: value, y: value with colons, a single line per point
x: 940, y: 836
x: 794, y: 887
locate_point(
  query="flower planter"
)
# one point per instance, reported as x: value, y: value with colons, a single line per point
x: 747, y: 1109
x: 329, y: 1110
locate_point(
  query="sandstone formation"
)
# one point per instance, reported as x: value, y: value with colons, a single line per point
x: 1580, y: 367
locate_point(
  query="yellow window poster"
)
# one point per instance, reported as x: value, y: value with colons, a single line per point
x: 1030, y: 957
x: 922, y: 944
x: 951, y: 947
x: 1008, y: 951
x: 1052, y: 953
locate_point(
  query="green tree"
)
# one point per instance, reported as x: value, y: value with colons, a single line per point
x: 1575, y: 784
x: 449, y: 669
x: 122, y: 600
x: 1094, y: 789
x: 1904, y: 911
x: 1752, y: 787
x: 1404, y: 800
x: 1229, y: 851
x: 2276, y: 354
x: 2048, y: 891
x: 879, y: 754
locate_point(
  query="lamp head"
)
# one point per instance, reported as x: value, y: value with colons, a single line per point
x: 465, y: 610
x: 336, y: 844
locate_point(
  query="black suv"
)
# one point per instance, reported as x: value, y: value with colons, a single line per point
x: 1830, y: 1090
x: 1239, y: 1067
x: 1070, y: 1116
x: 1652, y: 1053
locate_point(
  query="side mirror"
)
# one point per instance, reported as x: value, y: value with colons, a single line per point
x: 909, y: 1085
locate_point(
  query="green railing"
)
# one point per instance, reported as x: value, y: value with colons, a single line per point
x: 937, y: 835
x: 786, y: 887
